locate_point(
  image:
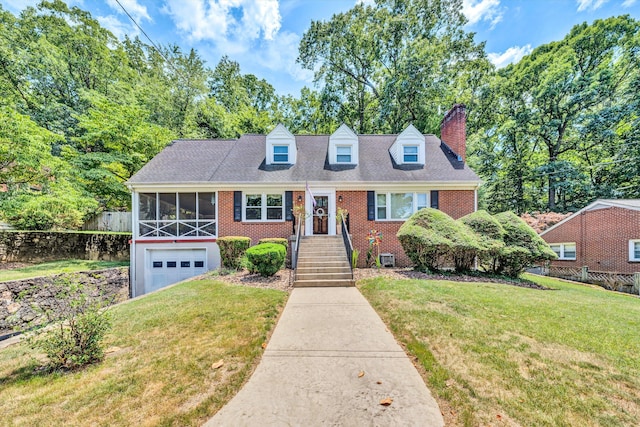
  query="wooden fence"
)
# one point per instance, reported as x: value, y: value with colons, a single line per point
x: 621, y: 282
x: 109, y: 221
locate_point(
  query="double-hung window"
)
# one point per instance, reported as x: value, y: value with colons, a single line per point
x: 263, y: 207
x: 343, y: 154
x: 281, y: 154
x: 399, y: 206
x: 565, y: 251
x: 410, y: 154
x: 634, y: 250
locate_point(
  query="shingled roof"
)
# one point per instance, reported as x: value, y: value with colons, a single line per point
x: 243, y: 161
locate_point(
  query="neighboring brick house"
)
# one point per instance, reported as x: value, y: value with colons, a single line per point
x: 604, y: 236
x: 195, y: 191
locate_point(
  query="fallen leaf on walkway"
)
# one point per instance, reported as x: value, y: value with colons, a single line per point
x: 378, y: 382
x: 264, y: 345
x: 361, y: 374
x: 499, y: 416
x: 386, y: 402
x: 218, y: 364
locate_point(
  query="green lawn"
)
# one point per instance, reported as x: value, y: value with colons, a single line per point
x: 56, y: 267
x: 161, y: 370
x: 501, y: 355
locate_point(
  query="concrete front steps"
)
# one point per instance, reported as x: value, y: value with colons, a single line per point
x: 322, y: 262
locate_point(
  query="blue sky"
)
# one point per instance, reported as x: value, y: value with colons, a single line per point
x: 263, y: 35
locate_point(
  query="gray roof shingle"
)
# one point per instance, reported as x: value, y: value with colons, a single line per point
x: 243, y: 160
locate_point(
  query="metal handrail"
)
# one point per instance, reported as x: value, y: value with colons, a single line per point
x: 346, y: 239
x: 296, y: 247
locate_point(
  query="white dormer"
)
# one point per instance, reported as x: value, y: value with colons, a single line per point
x: 343, y: 147
x: 409, y: 147
x: 281, y: 147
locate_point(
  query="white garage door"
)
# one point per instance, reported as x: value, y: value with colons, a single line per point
x: 167, y: 266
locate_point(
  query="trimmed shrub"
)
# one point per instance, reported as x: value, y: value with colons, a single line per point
x: 279, y: 240
x: 267, y: 258
x: 489, y: 233
x: 232, y: 249
x: 523, y: 246
x: 431, y: 238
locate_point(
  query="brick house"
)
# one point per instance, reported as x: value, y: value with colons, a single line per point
x: 195, y: 191
x: 604, y: 237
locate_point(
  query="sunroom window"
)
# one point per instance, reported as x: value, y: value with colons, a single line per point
x: 399, y: 206
x: 264, y: 207
x: 281, y: 154
x: 177, y: 214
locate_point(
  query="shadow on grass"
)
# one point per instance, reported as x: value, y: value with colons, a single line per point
x: 473, y: 277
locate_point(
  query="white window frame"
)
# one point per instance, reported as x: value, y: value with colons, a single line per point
x: 404, y: 154
x: 281, y: 154
x: 562, y: 256
x: 632, y: 250
x: 263, y: 206
x: 195, y: 228
x: 350, y: 147
x: 414, y: 208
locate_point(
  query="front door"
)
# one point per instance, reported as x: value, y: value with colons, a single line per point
x: 321, y: 215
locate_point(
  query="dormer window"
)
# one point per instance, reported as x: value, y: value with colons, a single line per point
x: 409, y: 147
x: 410, y: 154
x: 343, y: 154
x: 280, y: 154
x: 343, y: 147
x: 280, y: 147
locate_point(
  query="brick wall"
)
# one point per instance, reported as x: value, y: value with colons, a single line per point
x: 602, y: 239
x: 453, y: 130
x: 455, y: 203
x: 255, y: 230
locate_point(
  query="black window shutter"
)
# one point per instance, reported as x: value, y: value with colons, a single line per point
x: 371, y: 205
x: 237, y: 206
x: 434, y: 199
x: 288, y: 205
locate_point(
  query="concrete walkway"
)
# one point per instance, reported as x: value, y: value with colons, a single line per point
x: 309, y: 373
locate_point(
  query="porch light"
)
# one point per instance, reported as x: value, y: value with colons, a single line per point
x: 340, y: 198
x: 299, y: 198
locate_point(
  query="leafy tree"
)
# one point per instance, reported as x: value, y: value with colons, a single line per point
x: 394, y: 63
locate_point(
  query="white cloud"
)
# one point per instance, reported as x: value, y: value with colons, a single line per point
x: 366, y: 2
x: 628, y: 3
x: 117, y: 27
x: 589, y: 4
x: 135, y: 9
x: 225, y: 21
x: 511, y: 55
x: 482, y: 10
x: 280, y: 54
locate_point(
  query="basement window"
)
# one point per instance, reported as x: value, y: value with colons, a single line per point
x: 565, y: 251
x: 634, y: 250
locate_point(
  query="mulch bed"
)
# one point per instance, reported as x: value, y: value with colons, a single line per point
x: 283, y: 280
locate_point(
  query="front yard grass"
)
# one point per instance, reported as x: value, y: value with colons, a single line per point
x: 57, y: 267
x: 162, y: 366
x: 495, y: 354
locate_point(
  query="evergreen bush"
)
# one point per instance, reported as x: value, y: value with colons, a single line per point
x: 432, y: 239
x: 267, y: 258
x: 489, y: 233
x: 279, y: 240
x: 232, y: 249
x: 523, y: 246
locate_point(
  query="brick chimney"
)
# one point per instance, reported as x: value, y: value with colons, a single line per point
x: 453, y: 130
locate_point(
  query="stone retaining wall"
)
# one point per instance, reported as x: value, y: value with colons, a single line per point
x: 112, y: 283
x: 43, y: 246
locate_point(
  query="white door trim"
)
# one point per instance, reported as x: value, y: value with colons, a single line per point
x: 308, y: 207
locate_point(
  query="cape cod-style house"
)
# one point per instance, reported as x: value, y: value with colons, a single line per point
x: 195, y: 191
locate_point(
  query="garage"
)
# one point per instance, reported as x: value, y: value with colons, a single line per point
x: 166, y: 266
